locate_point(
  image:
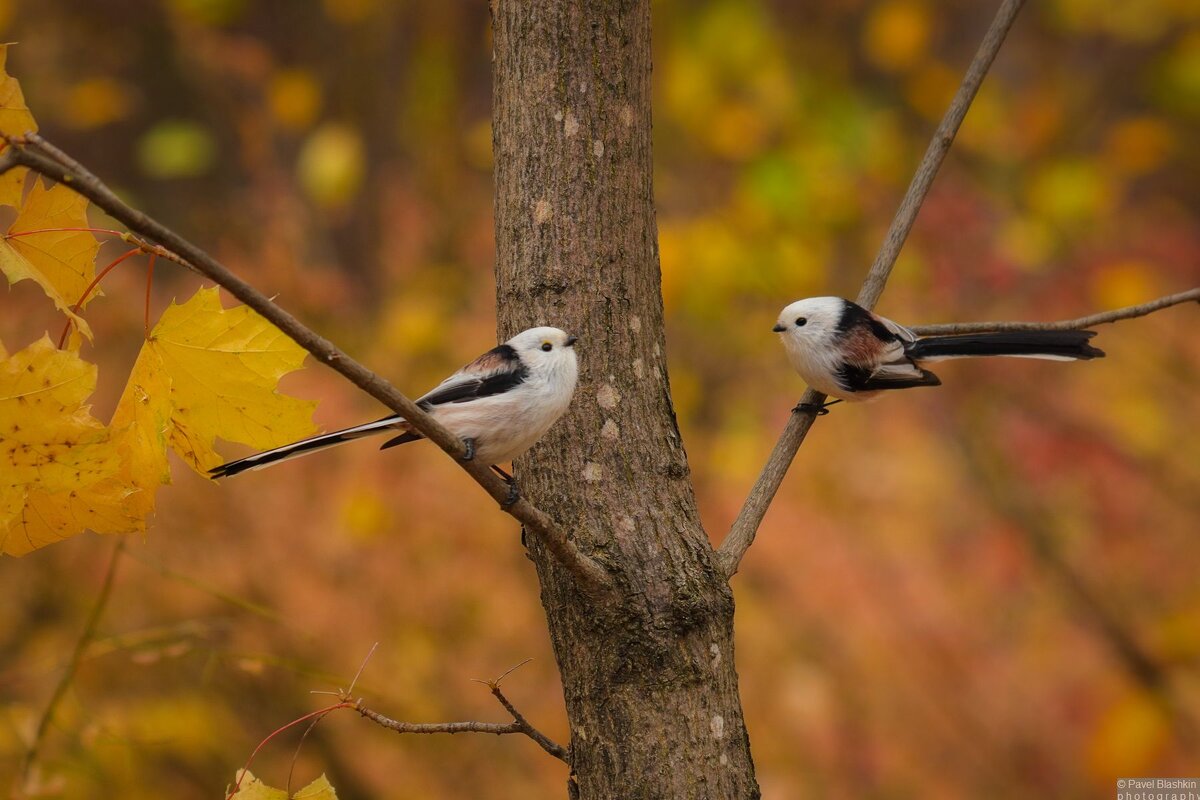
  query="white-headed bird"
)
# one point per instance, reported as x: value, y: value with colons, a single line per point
x: 843, y: 350
x: 499, y: 405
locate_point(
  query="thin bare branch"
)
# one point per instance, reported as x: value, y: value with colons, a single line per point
x: 1101, y: 318
x: 498, y: 680
x: 469, y: 726
x: 556, y: 750
x: 518, y: 725
x: 39, y: 155
x: 361, y: 667
x: 551, y: 747
x: 745, y: 527
x: 497, y: 728
x: 64, y: 682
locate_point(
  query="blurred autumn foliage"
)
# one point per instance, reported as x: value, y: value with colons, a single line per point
x: 984, y: 590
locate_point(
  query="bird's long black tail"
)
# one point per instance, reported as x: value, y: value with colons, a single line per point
x: 306, y: 446
x: 1054, y: 345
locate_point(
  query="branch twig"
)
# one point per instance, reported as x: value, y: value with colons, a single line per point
x: 1128, y: 312
x: 741, y: 535
x: 518, y: 725
x: 551, y: 747
x: 40, y: 156
x: 469, y: 726
x: 68, y: 676
x: 556, y: 750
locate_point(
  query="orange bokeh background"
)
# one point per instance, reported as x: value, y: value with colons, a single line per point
x: 935, y: 604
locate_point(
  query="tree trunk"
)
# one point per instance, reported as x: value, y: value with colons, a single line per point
x: 648, y: 673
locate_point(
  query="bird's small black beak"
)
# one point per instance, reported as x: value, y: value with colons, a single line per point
x: 571, y: 340
x: 779, y: 327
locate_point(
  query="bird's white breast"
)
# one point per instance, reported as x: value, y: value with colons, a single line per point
x: 817, y: 366
x: 505, y: 425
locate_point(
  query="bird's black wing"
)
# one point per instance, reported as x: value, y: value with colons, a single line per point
x: 875, y: 354
x: 495, y: 372
x: 899, y: 375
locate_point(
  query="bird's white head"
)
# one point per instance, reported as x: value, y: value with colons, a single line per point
x: 812, y: 322
x: 548, y: 350
x: 809, y: 331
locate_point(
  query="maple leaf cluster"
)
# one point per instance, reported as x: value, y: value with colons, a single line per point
x: 203, y: 372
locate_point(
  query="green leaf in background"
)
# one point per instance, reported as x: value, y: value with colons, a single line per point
x: 331, y: 165
x: 209, y: 12
x: 176, y: 149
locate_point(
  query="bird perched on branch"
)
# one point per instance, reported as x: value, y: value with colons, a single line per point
x: 843, y: 350
x: 499, y: 405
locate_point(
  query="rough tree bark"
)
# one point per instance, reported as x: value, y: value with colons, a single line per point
x: 648, y: 670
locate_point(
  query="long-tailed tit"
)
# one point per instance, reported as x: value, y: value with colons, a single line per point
x: 499, y: 405
x: 843, y: 350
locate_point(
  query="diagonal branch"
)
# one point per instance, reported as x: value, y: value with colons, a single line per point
x: 1128, y: 312
x: 39, y: 155
x: 741, y: 535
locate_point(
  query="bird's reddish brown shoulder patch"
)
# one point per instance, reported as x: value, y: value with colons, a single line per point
x: 861, y: 346
x: 494, y: 360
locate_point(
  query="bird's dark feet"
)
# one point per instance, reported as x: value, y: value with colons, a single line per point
x: 514, y: 493
x: 470, y: 445
x: 816, y: 409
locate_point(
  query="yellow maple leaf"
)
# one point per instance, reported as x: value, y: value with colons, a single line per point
x: 59, y: 466
x: 62, y: 262
x: 251, y: 788
x: 50, y: 517
x: 15, y: 118
x: 140, y: 429
x: 205, y: 372
x: 43, y: 420
x: 12, y: 186
x: 12, y: 497
x: 209, y: 372
x: 320, y: 789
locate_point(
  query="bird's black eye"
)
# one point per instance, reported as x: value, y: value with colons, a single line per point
x: 547, y: 347
x: 801, y: 322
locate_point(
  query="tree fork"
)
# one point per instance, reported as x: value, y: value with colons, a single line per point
x: 648, y: 671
